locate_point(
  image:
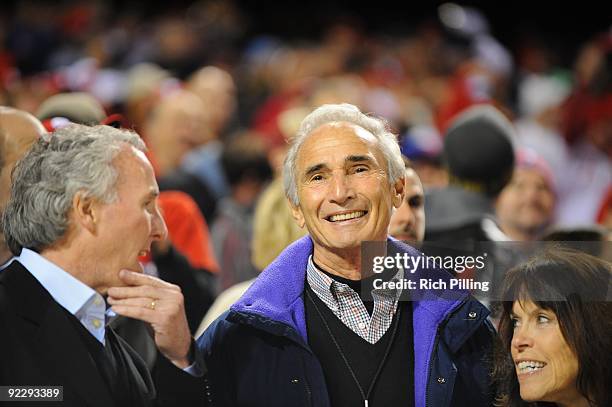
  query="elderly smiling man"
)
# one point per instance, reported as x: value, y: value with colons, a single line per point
x: 303, y: 336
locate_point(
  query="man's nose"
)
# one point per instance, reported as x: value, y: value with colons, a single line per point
x: 341, y: 189
x: 159, y: 231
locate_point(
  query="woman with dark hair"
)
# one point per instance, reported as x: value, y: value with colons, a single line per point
x: 556, y: 332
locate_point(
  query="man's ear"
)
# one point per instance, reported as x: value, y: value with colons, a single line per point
x: 296, y: 211
x: 399, y: 192
x: 86, y: 212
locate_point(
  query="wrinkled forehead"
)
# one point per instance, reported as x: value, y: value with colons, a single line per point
x: 340, y: 127
x: 339, y: 136
x: 339, y: 141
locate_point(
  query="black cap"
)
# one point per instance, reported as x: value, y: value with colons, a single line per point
x: 478, y: 149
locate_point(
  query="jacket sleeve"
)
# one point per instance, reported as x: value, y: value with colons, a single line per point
x: 215, y: 346
x: 474, y: 362
x: 177, y: 388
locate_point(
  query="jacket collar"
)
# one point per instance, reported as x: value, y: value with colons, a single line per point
x: 276, y: 296
x: 53, y: 339
x: 274, y: 303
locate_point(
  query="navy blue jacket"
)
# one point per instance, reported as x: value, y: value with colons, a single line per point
x: 257, y: 353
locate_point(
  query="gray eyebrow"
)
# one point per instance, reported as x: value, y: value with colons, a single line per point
x: 314, y: 168
x: 358, y: 158
x: 350, y: 158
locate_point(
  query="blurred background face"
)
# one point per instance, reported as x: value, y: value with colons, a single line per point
x: 408, y: 221
x: 176, y: 128
x: 216, y: 89
x: 18, y: 130
x: 525, y: 206
x: 545, y: 365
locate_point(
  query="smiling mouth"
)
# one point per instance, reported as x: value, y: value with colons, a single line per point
x: 529, y: 366
x: 346, y: 216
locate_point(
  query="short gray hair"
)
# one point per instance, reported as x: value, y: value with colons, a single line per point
x: 387, y: 141
x: 73, y: 159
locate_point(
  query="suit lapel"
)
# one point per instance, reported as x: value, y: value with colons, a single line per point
x: 57, y: 344
x: 62, y: 347
x: 140, y: 373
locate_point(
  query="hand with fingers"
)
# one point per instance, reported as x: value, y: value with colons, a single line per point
x: 160, y: 304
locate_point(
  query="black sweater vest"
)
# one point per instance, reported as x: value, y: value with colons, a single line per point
x: 395, y: 383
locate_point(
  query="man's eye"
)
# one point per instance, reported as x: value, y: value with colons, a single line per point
x: 317, y: 177
x: 361, y: 169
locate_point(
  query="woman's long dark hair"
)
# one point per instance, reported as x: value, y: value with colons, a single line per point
x: 574, y: 286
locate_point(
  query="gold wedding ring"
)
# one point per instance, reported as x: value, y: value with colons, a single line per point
x: 152, y: 305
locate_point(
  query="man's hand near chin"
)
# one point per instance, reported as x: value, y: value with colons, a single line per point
x: 161, y: 305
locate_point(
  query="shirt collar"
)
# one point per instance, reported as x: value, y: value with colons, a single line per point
x: 327, y: 288
x: 69, y: 292
x: 315, y: 274
x: 80, y: 300
x: 8, y: 263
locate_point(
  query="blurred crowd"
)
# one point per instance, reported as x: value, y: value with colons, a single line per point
x: 216, y: 107
x: 500, y: 144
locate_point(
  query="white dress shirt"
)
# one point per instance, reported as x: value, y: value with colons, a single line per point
x: 82, y: 301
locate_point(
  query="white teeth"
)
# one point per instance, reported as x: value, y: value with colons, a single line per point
x: 346, y: 216
x: 530, y: 366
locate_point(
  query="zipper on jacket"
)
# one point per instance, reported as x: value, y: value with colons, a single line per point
x: 435, y: 347
x: 308, y: 393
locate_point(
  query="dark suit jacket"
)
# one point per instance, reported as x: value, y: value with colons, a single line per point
x: 39, y: 345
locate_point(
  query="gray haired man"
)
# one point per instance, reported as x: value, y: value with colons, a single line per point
x: 82, y: 209
x: 302, y: 335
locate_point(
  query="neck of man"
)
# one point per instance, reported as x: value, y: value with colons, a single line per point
x: 344, y: 263
x: 80, y: 264
x: 5, y: 253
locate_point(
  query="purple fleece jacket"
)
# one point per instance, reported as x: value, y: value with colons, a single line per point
x: 278, y: 294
